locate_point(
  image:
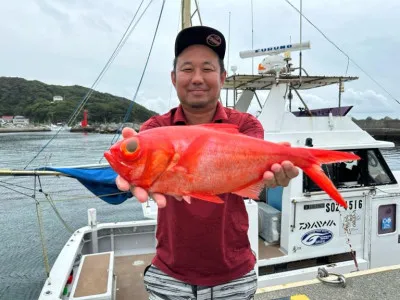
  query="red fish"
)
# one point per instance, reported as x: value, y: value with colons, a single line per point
x: 203, y: 161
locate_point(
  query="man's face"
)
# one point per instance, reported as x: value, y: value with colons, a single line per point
x: 198, y: 79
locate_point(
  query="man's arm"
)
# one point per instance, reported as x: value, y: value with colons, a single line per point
x: 149, y: 124
x: 252, y: 127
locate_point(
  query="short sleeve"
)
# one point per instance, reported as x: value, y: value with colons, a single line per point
x: 150, y: 123
x: 251, y: 126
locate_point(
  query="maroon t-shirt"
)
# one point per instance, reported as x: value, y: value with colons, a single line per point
x: 204, y: 243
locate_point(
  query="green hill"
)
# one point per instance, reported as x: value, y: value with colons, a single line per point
x: 34, y: 100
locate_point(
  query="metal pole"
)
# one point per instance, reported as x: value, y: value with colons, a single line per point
x: 227, y: 64
x: 252, y: 39
x: 186, y: 17
x: 340, y: 92
x: 301, y: 21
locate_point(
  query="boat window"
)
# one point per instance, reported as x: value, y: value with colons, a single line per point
x: 371, y: 170
x: 377, y: 169
x: 349, y: 173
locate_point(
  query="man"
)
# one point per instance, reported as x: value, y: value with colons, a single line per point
x: 203, y: 251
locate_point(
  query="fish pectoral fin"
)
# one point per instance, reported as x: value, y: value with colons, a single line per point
x: 189, y: 160
x: 251, y: 191
x: 173, y: 162
x: 207, y: 197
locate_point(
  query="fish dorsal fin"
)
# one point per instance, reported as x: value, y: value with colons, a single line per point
x: 225, y: 127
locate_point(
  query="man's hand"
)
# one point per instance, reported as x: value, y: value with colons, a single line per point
x: 138, y: 192
x: 280, y: 174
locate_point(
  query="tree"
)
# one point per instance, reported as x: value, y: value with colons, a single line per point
x: 34, y: 100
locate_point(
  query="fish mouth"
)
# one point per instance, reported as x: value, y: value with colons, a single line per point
x: 111, y: 159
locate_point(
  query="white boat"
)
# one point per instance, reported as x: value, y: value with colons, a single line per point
x: 297, y: 232
x: 59, y: 127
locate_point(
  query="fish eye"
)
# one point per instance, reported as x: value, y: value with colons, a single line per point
x: 131, y: 145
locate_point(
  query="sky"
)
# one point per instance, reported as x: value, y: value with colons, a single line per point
x: 68, y: 42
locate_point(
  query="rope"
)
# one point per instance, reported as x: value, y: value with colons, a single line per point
x: 344, y: 53
x: 80, y: 105
x: 346, y: 231
x: 121, y: 43
x: 11, y: 189
x: 118, y: 134
x: 53, y: 206
x: 20, y: 186
x: 42, y: 239
x: 171, y: 85
x: 41, y: 231
x: 85, y: 197
x: 77, y: 197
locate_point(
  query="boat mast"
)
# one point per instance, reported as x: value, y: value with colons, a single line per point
x: 186, y: 15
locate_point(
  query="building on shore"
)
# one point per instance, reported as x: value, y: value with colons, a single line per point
x: 57, y: 98
x: 20, y: 120
x: 7, y: 119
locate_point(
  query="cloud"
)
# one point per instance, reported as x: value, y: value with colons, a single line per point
x: 48, y: 8
x: 313, y: 101
x: 64, y: 42
x: 365, y: 102
x: 159, y: 104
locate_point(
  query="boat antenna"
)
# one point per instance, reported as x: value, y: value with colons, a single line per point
x: 229, y: 48
x: 252, y: 38
x: 229, y: 40
x: 301, y: 21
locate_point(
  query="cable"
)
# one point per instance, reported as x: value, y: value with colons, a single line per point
x: 53, y: 206
x: 171, y: 85
x: 140, y: 81
x: 344, y: 53
x: 121, y: 43
x: 16, y: 185
x: 11, y: 189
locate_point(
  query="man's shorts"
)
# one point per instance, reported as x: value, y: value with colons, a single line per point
x: 161, y: 286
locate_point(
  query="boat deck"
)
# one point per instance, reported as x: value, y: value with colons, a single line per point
x: 369, y: 284
x: 129, y: 271
x: 380, y: 283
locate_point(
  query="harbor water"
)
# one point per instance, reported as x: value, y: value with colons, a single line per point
x: 22, y: 265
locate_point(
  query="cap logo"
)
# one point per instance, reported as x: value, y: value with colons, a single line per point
x: 213, y: 40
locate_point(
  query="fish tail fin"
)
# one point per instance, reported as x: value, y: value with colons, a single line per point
x: 330, y: 156
x: 318, y: 176
x: 314, y: 171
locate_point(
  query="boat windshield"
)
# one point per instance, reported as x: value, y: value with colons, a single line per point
x: 371, y: 170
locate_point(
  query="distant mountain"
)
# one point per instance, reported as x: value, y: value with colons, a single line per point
x: 34, y: 100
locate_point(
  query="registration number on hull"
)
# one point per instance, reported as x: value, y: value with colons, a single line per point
x: 352, y: 205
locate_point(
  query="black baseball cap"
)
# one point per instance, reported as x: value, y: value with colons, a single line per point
x: 200, y: 35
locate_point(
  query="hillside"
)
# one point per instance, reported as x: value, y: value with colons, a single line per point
x: 34, y: 100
